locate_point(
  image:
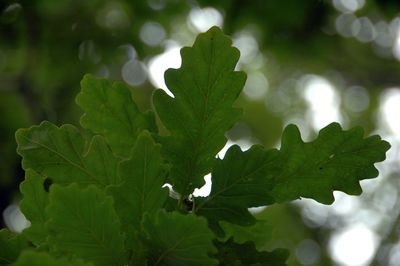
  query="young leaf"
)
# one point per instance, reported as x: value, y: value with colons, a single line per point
x: 59, y: 153
x: 336, y: 160
x: 143, y: 175
x: 33, y: 206
x: 83, y: 222
x: 201, y: 111
x: 111, y: 112
x: 246, y: 254
x: 11, y: 246
x: 33, y: 258
x: 175, y: 239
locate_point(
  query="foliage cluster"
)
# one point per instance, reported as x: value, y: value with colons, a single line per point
x: 96, y: 196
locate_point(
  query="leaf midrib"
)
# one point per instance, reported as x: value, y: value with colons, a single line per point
x: 81, y: 168
x: 213, y: 196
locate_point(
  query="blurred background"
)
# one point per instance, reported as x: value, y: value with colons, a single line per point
x: 308, y: 62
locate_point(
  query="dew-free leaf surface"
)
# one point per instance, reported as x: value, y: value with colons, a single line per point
x: 201, y: 111
x: 33, y: 205
x: 240, y: 181
x: 61, y: 153
x: 34, y: 258
x: 246, y: 254
x: 83, y: 222
x: 111, y: 112
x: 257, y: 233
x: 11, y: 245
x: 142, y: 175
x: 175, y: 239
x: 106, y: 204
x: 336, y: 160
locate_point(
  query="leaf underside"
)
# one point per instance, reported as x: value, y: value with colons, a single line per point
x: 204, y: 89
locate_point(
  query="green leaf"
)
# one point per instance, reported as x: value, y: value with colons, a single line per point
x: 240, y: 181
x: 175, y: 239
x: 83, y: 222
x: 111, y: 112
x: 61, y: 154
x: 33, y: 206
x: 143, y: 175
x: 34, y: 258
x: 201, y: 111
x: 336, y: 160
x: 246, y: 254
x: 259, y: 233
x: 11, y: 246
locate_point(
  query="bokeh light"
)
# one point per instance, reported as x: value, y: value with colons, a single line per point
x: 354, y: 245
x: 323, y: 100
x: 204, y: 18
x: 390, y: 102
x: 158, y: 64
x: 14, y: 219
x: 152, y: 33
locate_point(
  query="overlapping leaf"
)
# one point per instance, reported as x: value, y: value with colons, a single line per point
x: 336, y: 160
x: 60, y: 153
x: 178, y: 240
x: 83, y: 222
x: 80, y: 221
x: 240, y: 181
x: 111, y: 112
x: 258, y: 233
x: 143, y: 175
x: 246, y: 254
x: 201, y: 111
x: 33, y: 205
x: 11, y: 245
x: 33, y: 258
